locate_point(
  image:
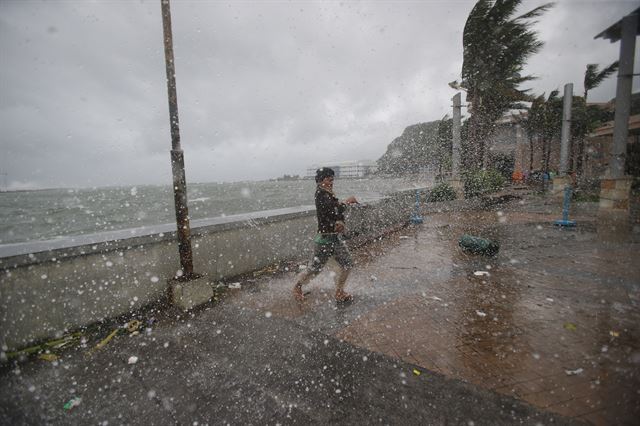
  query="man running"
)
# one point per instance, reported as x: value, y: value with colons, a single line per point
x: 328, y: 241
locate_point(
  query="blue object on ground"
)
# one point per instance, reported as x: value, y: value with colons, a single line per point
x: 416, y: 219
x: 565, y: 210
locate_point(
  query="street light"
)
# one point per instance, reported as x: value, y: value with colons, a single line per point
x: 177, y: 156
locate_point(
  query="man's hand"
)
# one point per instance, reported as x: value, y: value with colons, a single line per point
x: 351, y: 200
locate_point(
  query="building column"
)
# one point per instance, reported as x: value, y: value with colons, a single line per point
x: 563, y: 179
x: 615, y: 188
x: 456, y: 181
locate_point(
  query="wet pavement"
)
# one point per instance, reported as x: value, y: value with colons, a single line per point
x: 553, y: 319
x: 547, y: 331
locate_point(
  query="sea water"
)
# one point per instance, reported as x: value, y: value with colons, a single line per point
x: 54, y: 213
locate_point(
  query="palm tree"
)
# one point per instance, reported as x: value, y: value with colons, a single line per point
x: 593, y: 77
x: 550, y: 126
x: 583, y: 122
x: 496, y: 46
x: 533, y: 122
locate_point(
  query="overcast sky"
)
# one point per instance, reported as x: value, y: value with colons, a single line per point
x: 264, y: 88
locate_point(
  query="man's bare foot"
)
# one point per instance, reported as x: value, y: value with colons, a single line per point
x: 298, y: 294
x: 343, y: 297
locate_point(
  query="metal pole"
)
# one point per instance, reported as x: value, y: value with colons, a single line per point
x: 566, y: 129
x: 455, y: 129
x: 177, y: 156
x: 623, y: 96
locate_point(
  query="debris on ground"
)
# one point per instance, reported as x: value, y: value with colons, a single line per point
x: 373, y: 278
x: 234, y: 286
x: 48, y: 357
x: 107, y: 339
x: 481, y: 314
x: 614, y: 333
x: 570, y: 326
x: 574, y: 372
x: 481, y: 273
x: 478, y: 245
x: 73, y: 402
x: 417, y: 372
x: 132, y: 360
x: 132, y: 327
x: 271, y: 269
x: 45, y: 347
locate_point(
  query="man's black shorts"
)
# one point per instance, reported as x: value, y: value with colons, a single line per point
x: 330, y: 246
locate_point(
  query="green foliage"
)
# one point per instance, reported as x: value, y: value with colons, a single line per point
x: 442, y: 192
x: 496, y: 46
x: 593, y: 77
x: 482, y: 182
x: 503, y: 163
x: 544, y: 122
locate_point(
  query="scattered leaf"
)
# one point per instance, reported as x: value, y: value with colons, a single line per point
x: 48, y: 357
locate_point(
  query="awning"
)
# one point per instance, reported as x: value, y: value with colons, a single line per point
x: 613, y: 33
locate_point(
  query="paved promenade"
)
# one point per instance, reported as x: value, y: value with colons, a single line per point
x: 546, y: 332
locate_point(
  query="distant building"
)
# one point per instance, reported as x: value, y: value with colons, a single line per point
x: 346, y: 169
x: 510, y: 140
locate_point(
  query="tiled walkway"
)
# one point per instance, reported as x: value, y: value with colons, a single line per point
x: 553, y: 320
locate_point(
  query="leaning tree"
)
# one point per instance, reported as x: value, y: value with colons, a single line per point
x: 496, y: 46
x: 585, y: 116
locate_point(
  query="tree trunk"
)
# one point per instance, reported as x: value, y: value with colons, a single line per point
x: 580, y: 157
x: 530, y: 153
x: 547, y: 157
x: 476, y: 142
x: 543, y: 154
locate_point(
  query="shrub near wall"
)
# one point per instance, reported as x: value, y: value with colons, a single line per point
x: 442, y: 192
x: 482, y: 182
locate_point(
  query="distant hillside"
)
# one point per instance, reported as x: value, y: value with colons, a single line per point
x: 420, y: 145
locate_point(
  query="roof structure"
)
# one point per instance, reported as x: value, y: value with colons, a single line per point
x: 607, y: 128
x: 614, y: 32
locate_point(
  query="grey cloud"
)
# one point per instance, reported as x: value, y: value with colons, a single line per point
x: 264, y: 88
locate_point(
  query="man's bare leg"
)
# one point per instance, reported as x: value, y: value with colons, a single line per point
x: 341, y: 279
x: 303, y: 278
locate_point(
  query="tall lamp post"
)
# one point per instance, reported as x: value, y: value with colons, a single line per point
x: 190, y: 289
x: 177, y: 156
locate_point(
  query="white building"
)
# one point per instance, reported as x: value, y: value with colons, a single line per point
x: 346, y: 169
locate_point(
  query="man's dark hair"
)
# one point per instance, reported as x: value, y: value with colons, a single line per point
x: 324, y: 172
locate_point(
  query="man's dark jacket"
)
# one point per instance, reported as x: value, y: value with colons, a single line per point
x: 329, y: 211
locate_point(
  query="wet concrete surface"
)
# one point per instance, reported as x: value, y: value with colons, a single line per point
x: 548, y: 334
x: 555, y: 321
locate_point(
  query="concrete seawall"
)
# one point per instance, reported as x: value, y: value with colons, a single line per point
x: 50, y: 287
